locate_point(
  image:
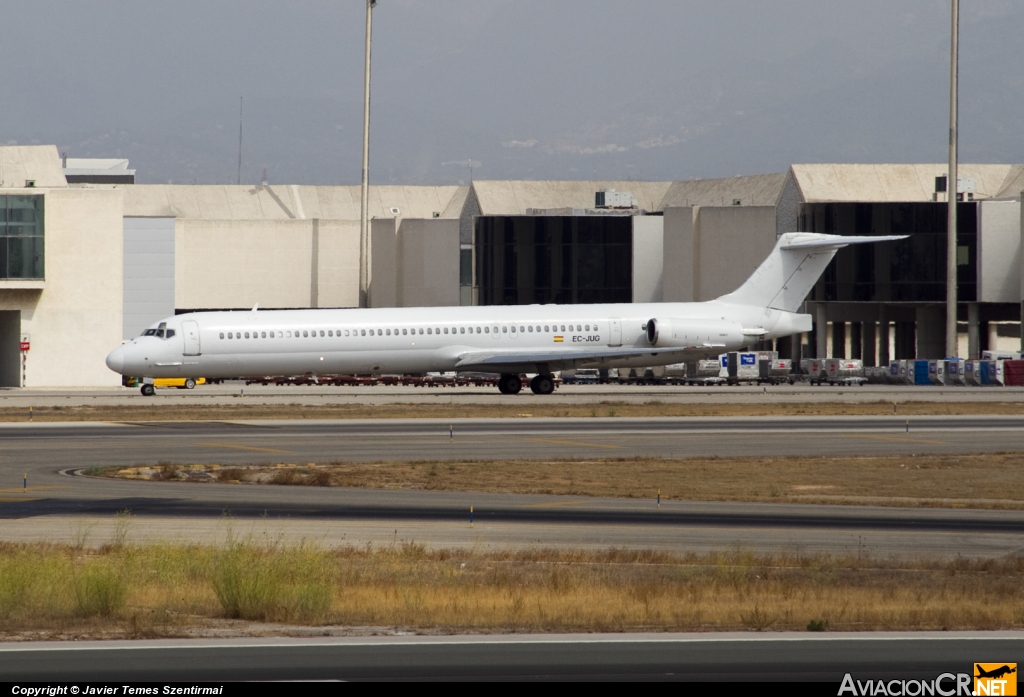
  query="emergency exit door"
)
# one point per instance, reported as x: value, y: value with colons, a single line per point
x: 615, y: 332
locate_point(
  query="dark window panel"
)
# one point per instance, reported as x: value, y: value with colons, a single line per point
x: 912, y: 270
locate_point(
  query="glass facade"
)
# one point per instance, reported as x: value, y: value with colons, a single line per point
x: 523, y: 260
x: 21, y: 237
x: 910, y: 270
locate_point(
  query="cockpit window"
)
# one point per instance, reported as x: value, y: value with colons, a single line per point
x: 160, y: 333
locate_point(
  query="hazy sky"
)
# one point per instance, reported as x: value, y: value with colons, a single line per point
x: 559, y: 89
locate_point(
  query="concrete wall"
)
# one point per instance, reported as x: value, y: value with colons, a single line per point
x: 384, y: 279
x: 276, y: 263
x: 73, y: 317
x: 415, y: 263
x: 733, y: 242
x: 428, y: 271
x: 711, y: 251
x: 148, y: 273
x: 678, y: 269
x: 999, y: 269
x: 648, y: 258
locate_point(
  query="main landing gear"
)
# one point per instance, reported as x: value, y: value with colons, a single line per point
x: 542, y: 384
x: 148, y: 390
x: 510, y: 383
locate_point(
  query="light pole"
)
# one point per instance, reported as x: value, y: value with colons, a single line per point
x: 364, y: 233
x: 951, y: 192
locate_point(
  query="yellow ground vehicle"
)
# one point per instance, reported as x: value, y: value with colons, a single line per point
x: 180, y: 383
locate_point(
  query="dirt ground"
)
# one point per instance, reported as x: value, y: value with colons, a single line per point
x: 241, y: 412
x: 994, y: 481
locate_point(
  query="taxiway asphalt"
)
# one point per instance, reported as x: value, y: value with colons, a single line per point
x: 721, y: 658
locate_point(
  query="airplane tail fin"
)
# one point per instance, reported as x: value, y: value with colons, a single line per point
x: 784, y: 279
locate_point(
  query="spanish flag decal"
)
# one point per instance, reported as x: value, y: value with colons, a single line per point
x: 558, y: 339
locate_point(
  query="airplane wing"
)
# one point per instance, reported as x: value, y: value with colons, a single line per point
x: 500, y: 361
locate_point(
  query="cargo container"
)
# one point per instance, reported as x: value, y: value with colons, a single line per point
x: 774, y: 371
x: 1001, y: 355
x: 972, y: 373
x: 814, y: 369
x: 987, y: 373
x: 921, y: 373
x: 1013, y: 373
x: 954, y: 371
x: 742, y: 367
x: 844, y: 371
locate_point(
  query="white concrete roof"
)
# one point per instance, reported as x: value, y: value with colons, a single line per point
x: 96, y: 163
x: 41, y: 163
x: 822, y: 183
x: 1014, y: 184
x: 513, y: 197
x: 283, y: 202
x: 755, y: 190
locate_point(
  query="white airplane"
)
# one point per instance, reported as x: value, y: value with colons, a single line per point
x: 505, y: 340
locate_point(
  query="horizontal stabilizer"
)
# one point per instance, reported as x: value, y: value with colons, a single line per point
x: 837, y: 241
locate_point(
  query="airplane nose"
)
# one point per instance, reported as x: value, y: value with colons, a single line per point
x: 115, y: 361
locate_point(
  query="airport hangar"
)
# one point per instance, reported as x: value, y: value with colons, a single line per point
x: 88, y: 258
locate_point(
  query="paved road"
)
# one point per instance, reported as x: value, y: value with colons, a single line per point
x: 237, y: 393
x: 49, y: 508
x: 680, y: 657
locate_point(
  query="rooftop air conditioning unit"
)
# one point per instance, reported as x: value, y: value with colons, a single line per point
x: 610, y: 198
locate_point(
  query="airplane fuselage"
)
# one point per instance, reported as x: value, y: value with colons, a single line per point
x: 419, y: 340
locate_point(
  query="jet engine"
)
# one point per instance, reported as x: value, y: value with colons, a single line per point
x: 673, y: 332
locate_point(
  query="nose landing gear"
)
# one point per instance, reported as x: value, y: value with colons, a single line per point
x: 148, y: 390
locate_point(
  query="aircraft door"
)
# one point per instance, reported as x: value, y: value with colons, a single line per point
x: 615, y: 332
x: 191, y: 331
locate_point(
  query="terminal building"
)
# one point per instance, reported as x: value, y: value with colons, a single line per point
x: 88, y: 258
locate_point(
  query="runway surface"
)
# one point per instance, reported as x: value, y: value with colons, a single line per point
x: 45, y: 448
x: 679, y: 657
x: 55, y: 504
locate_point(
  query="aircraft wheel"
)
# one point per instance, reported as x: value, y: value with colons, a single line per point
x: 542, y: 384
x: 510, y: 383
x: 148, y: 390
x: 190, y: 384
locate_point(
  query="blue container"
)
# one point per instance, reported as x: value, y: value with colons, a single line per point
x: 921, y: 373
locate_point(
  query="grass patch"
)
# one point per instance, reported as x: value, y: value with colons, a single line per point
x: 169, y: 590
x: 505, y: 409
x: 990, y: 480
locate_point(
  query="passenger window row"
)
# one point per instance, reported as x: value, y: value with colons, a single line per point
x: 313, y: 333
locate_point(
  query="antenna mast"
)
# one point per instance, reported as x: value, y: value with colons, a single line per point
x: 239, y: 140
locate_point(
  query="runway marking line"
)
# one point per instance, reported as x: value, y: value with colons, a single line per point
x: 556, y: 504
x: 571, y: 442
x: 244, y: 447
x: 896, y: 439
